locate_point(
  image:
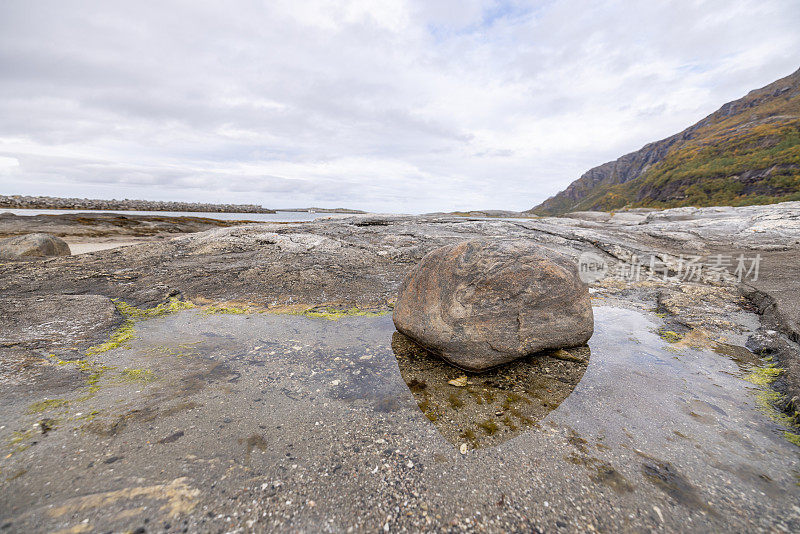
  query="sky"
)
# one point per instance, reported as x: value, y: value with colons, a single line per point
x: 393, y: 106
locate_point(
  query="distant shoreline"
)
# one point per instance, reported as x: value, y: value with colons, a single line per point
x: 323, y: 210
x: 58, y: 203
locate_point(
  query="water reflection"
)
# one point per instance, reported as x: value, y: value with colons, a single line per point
x: 489, y: 408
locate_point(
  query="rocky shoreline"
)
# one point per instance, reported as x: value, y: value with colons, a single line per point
x: 107, y: 227
x: 360, y: 261
x: 353, y: 267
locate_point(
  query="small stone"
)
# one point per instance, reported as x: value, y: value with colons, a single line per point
x: 657, y: 510
x: 463, y: 448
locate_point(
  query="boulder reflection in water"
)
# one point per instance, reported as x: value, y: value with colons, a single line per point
x: 494, y: 406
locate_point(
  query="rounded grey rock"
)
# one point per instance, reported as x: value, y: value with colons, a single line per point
x: 485, y: 302
x: 32, y: 246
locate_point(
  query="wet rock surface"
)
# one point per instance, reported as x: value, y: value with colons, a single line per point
x: 32, y: 246
x: 360, y: 261
x: 485, y: 302
x: 283, y: 422
x: 60, y: 326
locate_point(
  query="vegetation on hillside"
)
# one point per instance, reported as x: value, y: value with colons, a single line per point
x: 760, y: 166
x: 746, y: 153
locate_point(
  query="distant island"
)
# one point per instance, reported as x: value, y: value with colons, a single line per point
x: 324, y: 210
x: 56, y: 203
x: 507, y: 214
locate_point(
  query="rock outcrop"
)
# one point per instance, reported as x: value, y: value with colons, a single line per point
x: 32, y: 246
x: 56, y: 322
x: 486, y: 302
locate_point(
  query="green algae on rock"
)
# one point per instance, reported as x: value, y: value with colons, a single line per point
x: 46, y: 405
x: 229, y: 309
x: 171, y: 306
x: 137, y: 375
x: 118, y: 337
x: 670, y: 336
x: 334, y: 314
x: 767, y: 399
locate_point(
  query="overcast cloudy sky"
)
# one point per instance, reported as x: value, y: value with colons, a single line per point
x: 398, y: 105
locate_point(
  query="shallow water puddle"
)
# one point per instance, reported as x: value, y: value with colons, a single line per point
x: 637, y: 387
x: 636, y: 382
x: 305, y: 401
x: 361, y: 362
x: 483, y: 410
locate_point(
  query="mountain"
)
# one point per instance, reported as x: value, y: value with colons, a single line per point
x: 747, y: 152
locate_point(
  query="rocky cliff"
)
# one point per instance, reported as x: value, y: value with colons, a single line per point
x: 747, y: 152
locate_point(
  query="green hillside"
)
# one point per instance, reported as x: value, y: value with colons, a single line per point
x: 748, y: 152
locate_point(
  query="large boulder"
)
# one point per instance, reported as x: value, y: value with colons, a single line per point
x: 485, y: 302
x: 32, y: 246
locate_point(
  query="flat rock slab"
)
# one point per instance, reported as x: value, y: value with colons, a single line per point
x: 56, y: 321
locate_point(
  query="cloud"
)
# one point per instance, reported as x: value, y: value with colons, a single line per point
x: 394, y: 106
x: 8, y: 164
